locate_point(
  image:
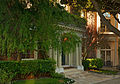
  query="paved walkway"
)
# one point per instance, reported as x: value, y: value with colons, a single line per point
x: 84, y: 77
x: 113, y: 81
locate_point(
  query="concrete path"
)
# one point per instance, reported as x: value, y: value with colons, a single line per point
x: 84, y: 77
x: 113, y: 81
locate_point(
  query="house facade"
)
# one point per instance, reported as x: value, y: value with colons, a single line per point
x: 73, y: 59
x: 108, y: 52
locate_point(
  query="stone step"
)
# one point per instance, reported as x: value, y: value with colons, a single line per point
x: 73, y: 69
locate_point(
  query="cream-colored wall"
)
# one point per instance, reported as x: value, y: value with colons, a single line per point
x: 113, y: 42
x: 98, y: 22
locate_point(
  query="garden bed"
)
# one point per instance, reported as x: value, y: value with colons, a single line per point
x: 101, y: 71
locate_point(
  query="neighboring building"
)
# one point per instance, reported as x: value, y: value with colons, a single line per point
x: 109, y: 52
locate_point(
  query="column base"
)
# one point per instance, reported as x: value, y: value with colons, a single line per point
x: 59, y: 70
x: 80, y: 67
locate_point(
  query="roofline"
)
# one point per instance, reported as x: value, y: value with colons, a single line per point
x: 72, y: 28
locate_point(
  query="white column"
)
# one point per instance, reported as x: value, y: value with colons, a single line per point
x: 59, y: 68
x: 50, y: 53
x: 55, y: 56
x: 69, y: 59
x: 80, y: 67
x: 59, y: 58
x: 77, y: 58
x: 36, y: 53
x: 66, y: 59
x: 72, y: 58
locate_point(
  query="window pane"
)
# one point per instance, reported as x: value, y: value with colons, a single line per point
x: 108, y: 55
x: 103, y: 55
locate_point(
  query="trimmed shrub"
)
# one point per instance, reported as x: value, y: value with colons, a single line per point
x: 99, y: 63
x: 93, y: 63
x: 86, y: 64
x: 6, y: 77
x: 24, y: 68
x: 96, y: 63
x: 57, y: 75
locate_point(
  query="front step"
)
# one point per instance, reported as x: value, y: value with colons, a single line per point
x: 71, y: 70
x: 68, y: 68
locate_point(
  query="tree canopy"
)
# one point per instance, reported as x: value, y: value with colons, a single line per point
x: 26, y: 24
x: 111, y: 6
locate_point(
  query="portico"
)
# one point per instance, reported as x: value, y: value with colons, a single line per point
x: 73, y: 59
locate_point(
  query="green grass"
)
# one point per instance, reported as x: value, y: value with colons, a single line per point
x: 40, y: 81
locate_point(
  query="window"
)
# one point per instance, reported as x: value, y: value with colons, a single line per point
x: 106, y: 55
x: 104, y: 27
x: 27, y: 55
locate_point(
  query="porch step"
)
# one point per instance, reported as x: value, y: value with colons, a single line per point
x: 65, y: 68
x: 71, y: 70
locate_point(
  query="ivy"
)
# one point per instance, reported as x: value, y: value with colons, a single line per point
x: 23, y: 29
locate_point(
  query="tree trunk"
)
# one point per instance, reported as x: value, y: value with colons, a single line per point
x: 104, y: 20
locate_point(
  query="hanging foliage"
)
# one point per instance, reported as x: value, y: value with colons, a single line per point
x: 25, y: 24
x: 69, y: 41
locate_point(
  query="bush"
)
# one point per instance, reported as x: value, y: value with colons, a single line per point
x: 62, y: 77
x: 99, y: 63
x: 68, y: 81
x: 57, y: 75
x: 86, y: 64
x: 25, y: 68
x: 93, y: 63
x: 5, y: 77
x: 96, y: 63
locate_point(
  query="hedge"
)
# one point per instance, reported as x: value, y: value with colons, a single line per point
x: 27, y: 67
x: 92, y: 63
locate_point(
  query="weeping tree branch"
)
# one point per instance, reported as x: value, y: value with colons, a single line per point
x: 116, y: 18
x: 104, y: 20
x: 3, y: 21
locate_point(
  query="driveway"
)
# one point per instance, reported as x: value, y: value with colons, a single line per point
x: 85, y: 77
x: 113, y: 81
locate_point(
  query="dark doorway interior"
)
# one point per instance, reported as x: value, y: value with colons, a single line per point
x: 63, y: 58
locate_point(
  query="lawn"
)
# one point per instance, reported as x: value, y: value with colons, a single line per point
x: 40, y: 81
